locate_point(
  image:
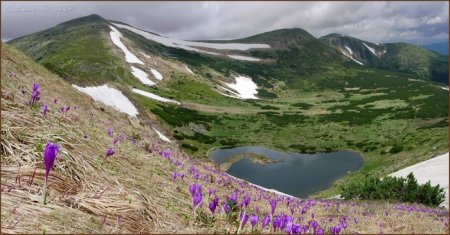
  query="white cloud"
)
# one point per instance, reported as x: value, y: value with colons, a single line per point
x: 372, y: 21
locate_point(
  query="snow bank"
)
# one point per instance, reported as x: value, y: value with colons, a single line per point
x: 188, y: 69
x: 352, y: 58
x: 435, y: 170
x: 246, y: 58
x: 154, y: 97
x: 161, y: 136
x: 445, y: 88
x: 110, y: 97
x: 156, y: 74
x: 349, y: 50
x: 142, y: 76
x: 245, y: 87
x: 188, y: 45
x: 145, y: 55
x: 370, y: 49
x: 129, y: 57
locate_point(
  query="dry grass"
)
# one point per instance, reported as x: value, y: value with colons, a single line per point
x: 132, y: 191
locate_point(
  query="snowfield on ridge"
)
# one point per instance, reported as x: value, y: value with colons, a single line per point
x: 129, y: 57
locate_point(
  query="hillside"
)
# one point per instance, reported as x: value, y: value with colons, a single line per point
x: 283, y: 95
x: 401, y: 57
x: 135, y: 190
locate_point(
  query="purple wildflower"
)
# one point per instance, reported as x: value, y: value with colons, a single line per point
x: 35, y: 94
x: 55, y: 100
x: 44, y: 109
x: 174, y: 176
x: 85, y: 136
x: 50, y: 153
x: 109, y: 131
x: 51, y: 150
x: 197, y: 198
x: 109, y: 152
x: 213, y: 204
x: 115, y: 140
x: 211, y: 191
x: 265, y: 221
x: 121, y: 137
x: 273, y: 205
x: 244, y: 220
x: 253, y: 220
x: 226, y: 207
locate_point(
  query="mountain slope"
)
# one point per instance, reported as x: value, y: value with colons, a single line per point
x: 77, y: 50
x: 134, y: 190
x: 440, y: 47
x: 401, y: 57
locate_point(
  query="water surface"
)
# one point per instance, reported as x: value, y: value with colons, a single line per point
x: 292, y: 173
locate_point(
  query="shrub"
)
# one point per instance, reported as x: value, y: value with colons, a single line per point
x: 401, y: 189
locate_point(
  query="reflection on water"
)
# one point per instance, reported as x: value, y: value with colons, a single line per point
x: 296, y: 174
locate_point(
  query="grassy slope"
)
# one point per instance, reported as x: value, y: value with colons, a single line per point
x: 132, y: 191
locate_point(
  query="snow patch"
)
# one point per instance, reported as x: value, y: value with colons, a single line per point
x: 351, y: 58
x: 370, y: 49
x: 188, y: 45
x: 188, y: 69
x: 349, y: 50
x: 246, y: 58
x: 445, y: 88
x: 156, y: 74
x: 435, y: 170
x: 110, y: 97
x: 154, y: 97
x: 129, y: 57
x: 161, y: 136
x: 142, y: 76
x: 245, y: 87
x: 145, y: 55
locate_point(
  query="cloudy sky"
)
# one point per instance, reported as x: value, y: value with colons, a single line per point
x: 413, y: 22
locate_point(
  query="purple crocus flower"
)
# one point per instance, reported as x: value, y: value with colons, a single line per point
x: 35, y: 94
x: 121, y: 137
x: 192, y: 189
x: 197, y: 198
x: 109, y: 152
x: 213, y: 204
x: 50, y: 153
x: 265, y: 221
x: 55, y: 100
x: 211, y: 191
x: 244, y: 219
x: 62, y: 109
x: 174, y: 176
x: 109, y: 131
x: 226, y: 207
x: 253, y: 220
x: 44, y: 109
x: 246, y: 201
x: 51, y: 150
x: 115, y: 140
x: 273, y: 205
x: 67, y: 109
x: 85, y: 136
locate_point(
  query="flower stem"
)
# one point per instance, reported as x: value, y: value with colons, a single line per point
x: 44, y: 193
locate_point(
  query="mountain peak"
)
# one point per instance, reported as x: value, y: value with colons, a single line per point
x: 85, y: 19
